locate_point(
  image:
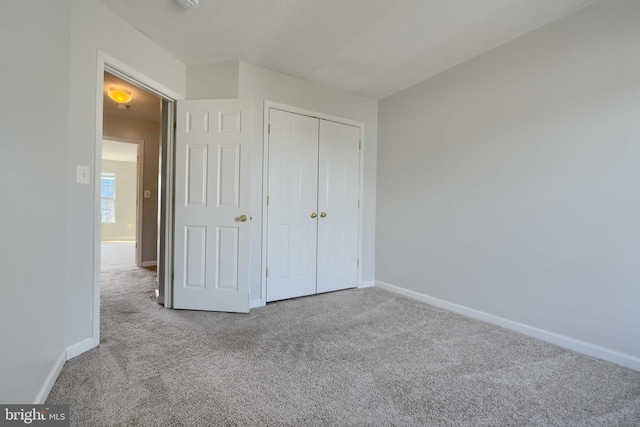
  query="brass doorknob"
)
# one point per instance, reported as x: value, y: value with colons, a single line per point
x: 313, y: 215
x: 242, y: 218
x: 323, y: 215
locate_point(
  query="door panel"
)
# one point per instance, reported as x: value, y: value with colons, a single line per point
x: 211, y: 256
x: 291, y: 232
x: 229, y: 175
x: 338, y: 188
x: 194, y: 256
x: 196, y: 175
x: 227, y: 263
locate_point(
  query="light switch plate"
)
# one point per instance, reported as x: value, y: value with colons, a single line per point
x: 83, y: 174
x: 147, y: 194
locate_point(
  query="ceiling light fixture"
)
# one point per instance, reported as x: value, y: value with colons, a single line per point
x: 188, y: 4
x: 121, y: 96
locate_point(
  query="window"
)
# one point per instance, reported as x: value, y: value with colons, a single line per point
x: 108, y: 204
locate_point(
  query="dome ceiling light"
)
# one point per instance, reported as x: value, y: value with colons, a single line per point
x: 121, y: 96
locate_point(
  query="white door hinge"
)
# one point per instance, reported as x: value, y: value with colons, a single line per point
x: 267, y: 271
x: 269, y: 129
x: 359, y: 145
x: 358, y: 263
x: 358, y: 203
x: 267, y: 200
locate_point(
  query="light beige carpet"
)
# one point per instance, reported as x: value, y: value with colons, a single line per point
x: 117, y: 255
x: 351, y: 358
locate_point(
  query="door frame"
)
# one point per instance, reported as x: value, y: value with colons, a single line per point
x: 139, y: 189
x: 265, y: 182
x: 105, y: 62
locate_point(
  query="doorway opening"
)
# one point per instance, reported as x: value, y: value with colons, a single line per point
x: 121, y: 201
x: 131, y: 135
x: 133, y: 176
x: 129, y: 177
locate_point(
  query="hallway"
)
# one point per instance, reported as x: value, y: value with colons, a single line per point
x: 117, y: 255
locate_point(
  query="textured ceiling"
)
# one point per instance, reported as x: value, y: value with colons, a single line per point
x: 369, y: 47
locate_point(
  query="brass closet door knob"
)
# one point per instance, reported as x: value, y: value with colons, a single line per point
x: 242, y: 218
x: 323, y: 215
x: 313, y: 215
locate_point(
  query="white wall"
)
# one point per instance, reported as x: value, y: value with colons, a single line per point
x: 34, y: 46
x: 93, y: 28
x: 149, y: 132
x: 510, y: 184
x: 261, y: 84
x: 213, y: 81
x: 124, y: 227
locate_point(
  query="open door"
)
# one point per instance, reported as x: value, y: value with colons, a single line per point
x: 212, y: 216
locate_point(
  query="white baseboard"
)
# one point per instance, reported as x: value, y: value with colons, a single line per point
x: 367, y: 284
x: 51, y: 379
x: 623, y: 359
x: 148, y: 263
x: 79, y: 348
x: 255, y: 303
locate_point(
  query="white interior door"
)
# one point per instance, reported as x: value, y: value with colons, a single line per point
x: 292, y: 205
x: 338, y: 184
x: 212, y: 217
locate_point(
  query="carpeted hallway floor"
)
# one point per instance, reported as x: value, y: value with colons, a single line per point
x: 351, y: 358
x: 117, y: 255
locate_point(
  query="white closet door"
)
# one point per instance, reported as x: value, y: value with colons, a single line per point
x: 212, y: 195
x: 292, y: 205
x: 338, y: 183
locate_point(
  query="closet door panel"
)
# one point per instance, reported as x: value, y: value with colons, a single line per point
x: 338, y: 184
x: 292, y: 192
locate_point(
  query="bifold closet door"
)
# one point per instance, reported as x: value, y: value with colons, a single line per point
x: 292, y: 205
x: 338, y: 184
